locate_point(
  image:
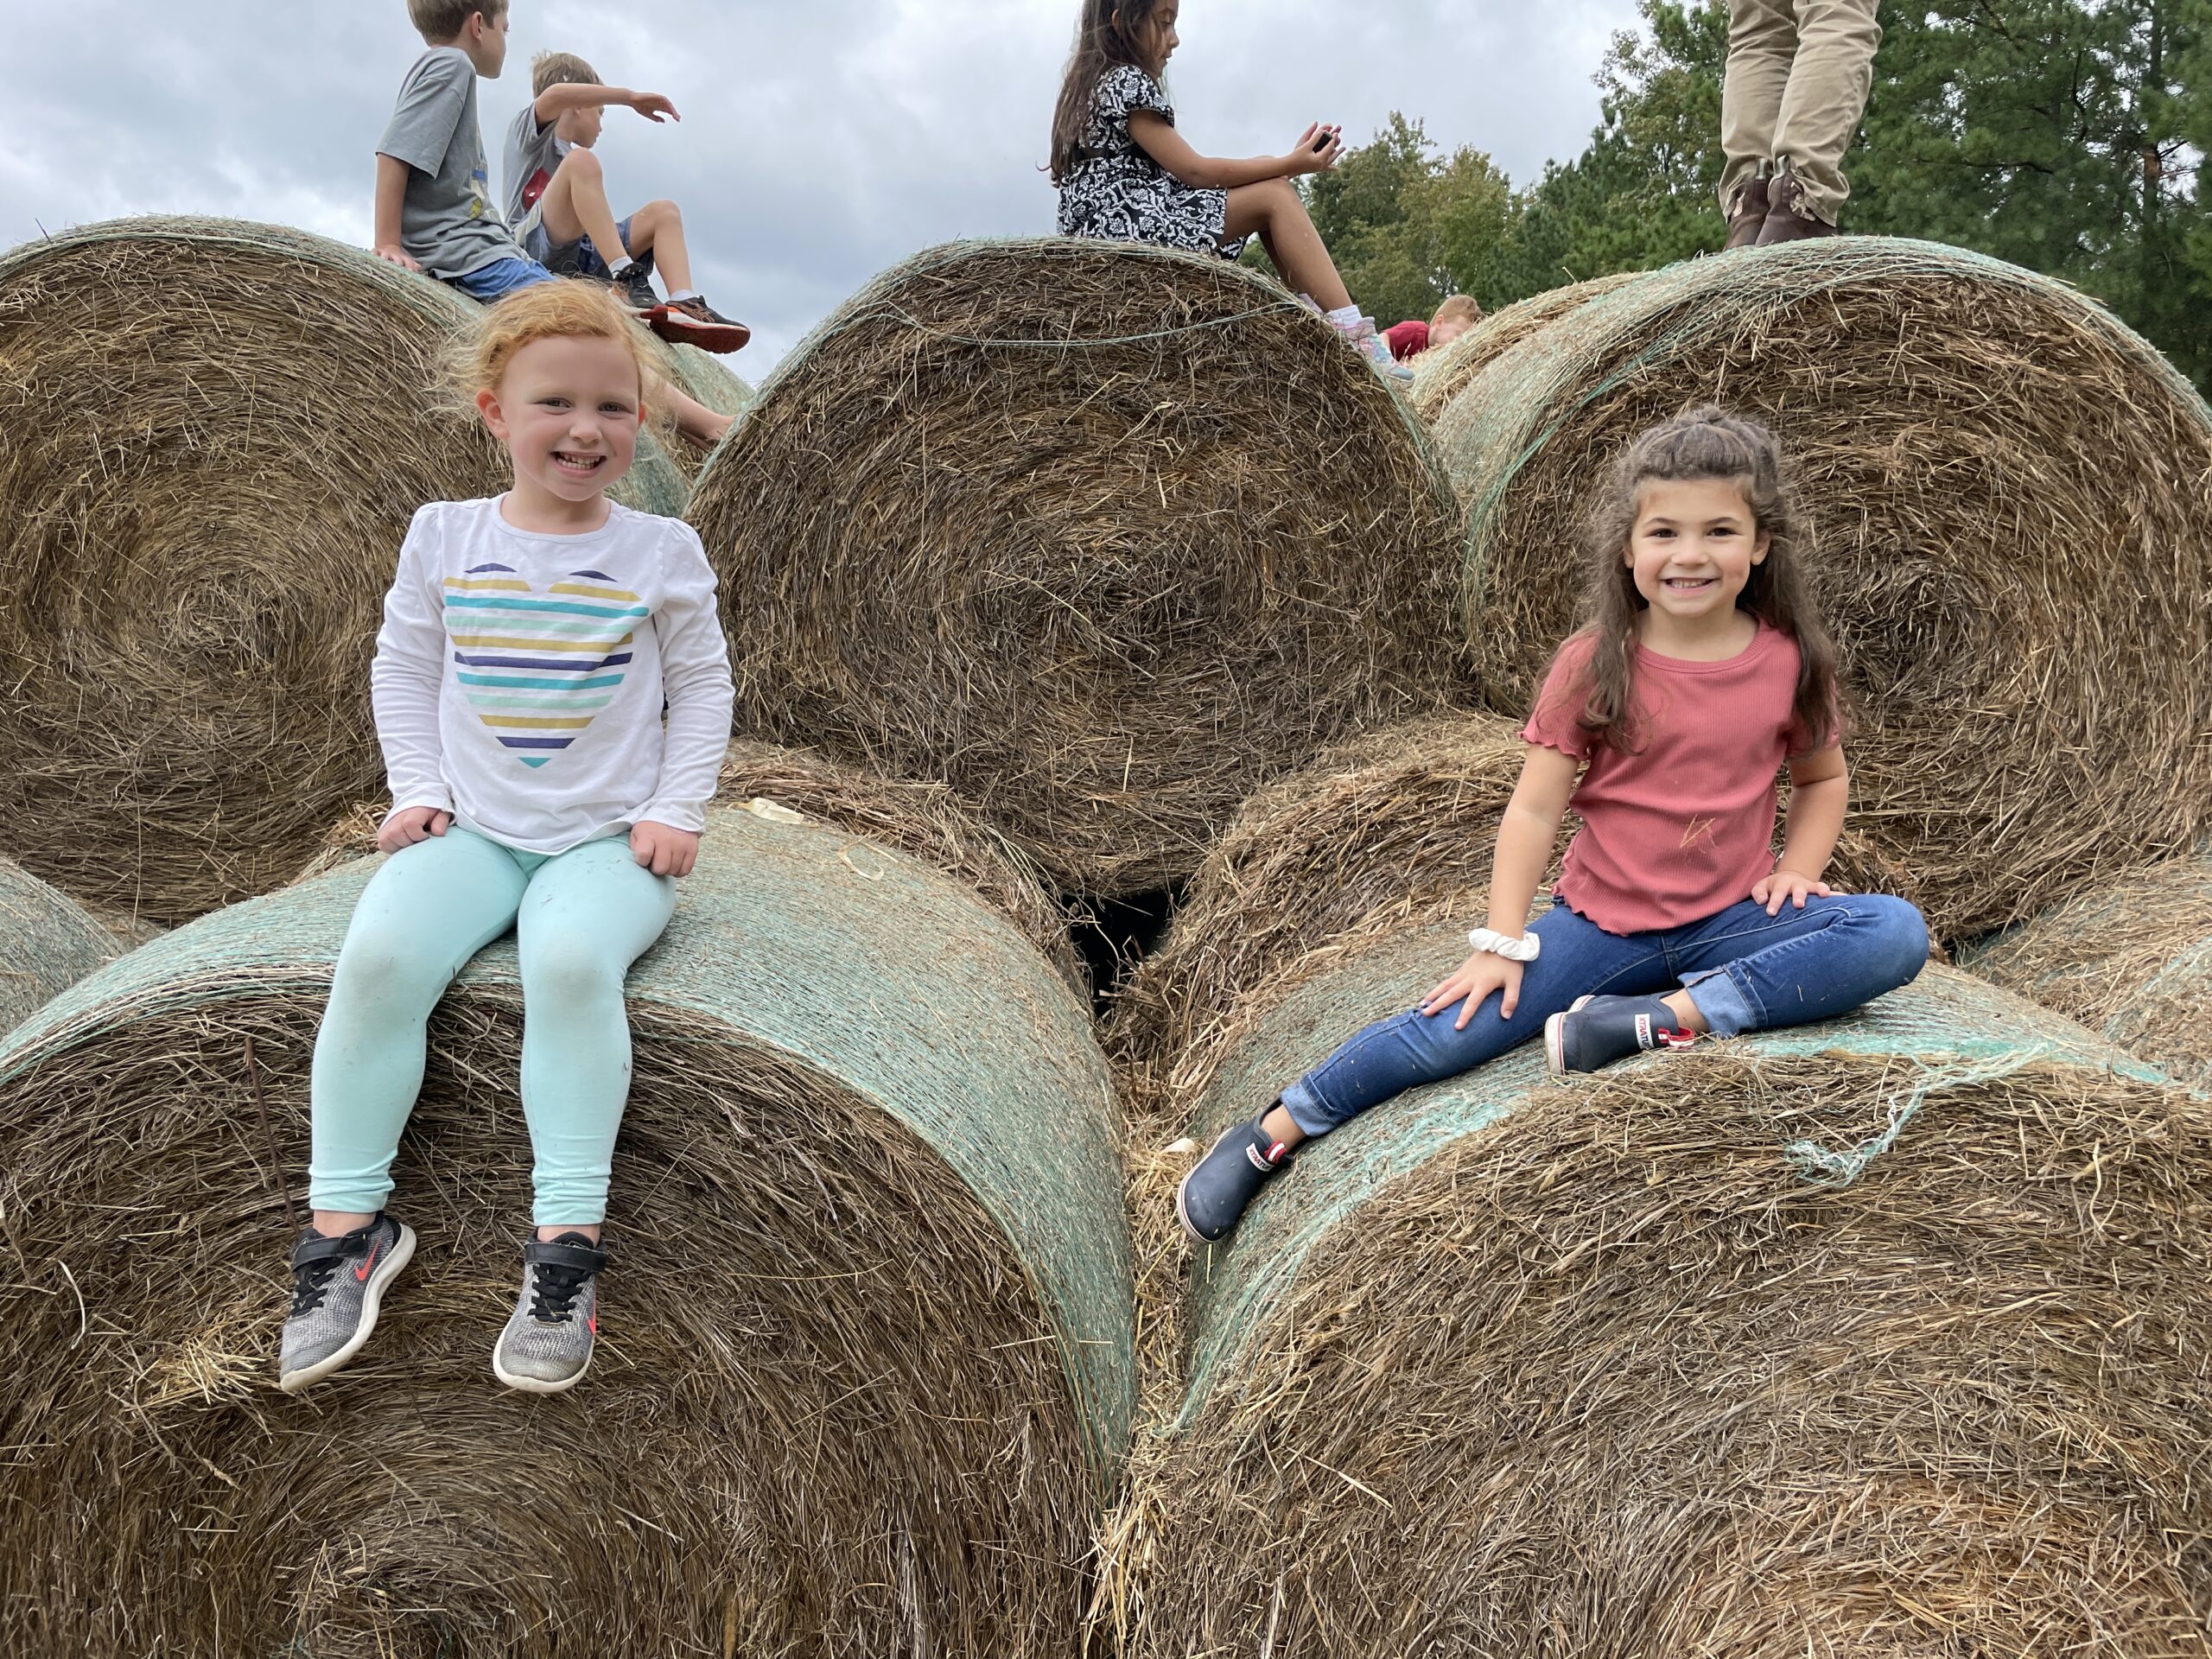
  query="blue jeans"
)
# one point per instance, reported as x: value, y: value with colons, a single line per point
x: 1745, y: 970
x: 502, y: 277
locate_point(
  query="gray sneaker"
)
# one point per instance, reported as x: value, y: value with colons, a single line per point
x: 337, y: 1284
x: 547, y: 1345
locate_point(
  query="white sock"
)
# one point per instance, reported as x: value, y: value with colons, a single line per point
x: 620, y: 265
x: 688, y: 294
x: 1344, y: 315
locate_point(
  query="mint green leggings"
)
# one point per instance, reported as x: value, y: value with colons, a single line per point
x: 580, y: 918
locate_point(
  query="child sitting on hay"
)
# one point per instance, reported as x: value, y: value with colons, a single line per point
x: 1125, y: 175
x: 528, y: 645
x: 433, y: 211
x: 1704, y: 673
x: 557, y: 200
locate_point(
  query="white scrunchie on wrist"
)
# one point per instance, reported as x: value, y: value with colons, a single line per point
x: 1526, y: 948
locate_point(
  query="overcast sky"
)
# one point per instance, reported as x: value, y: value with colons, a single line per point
x: 820, y: 142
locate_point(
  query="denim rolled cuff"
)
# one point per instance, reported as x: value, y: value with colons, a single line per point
x: 1307, y: 1110
x: 1723, y: 999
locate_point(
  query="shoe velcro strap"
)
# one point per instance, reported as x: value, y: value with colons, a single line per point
x: 308, y: 1251
x: 582, y: 1258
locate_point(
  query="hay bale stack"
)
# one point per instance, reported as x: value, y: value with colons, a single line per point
x: 2009, y: 531
x: 1595, y: 1370
x: 218, y: 433
x: 865, y: 1368
x: 2131, y: 960
x: 925, y: 821
x: 1441, y: 374
x: 1102, y: 537
x: 46, y: 943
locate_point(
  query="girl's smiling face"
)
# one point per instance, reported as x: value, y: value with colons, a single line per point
x: 568, y: 410
x: 1693, y: 546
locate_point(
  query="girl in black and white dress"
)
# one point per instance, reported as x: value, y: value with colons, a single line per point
x: 1125, y: 174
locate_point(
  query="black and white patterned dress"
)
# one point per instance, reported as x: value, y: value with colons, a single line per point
x: 1117, y: 192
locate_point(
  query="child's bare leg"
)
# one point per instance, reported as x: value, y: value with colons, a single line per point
x: 1680, y: 1004
x: 588, y: 1228
x: 693, y: 418
x: 1274, y: 212
x: 575, y: 204
x: 335, y: 1224
x: 658, y: 225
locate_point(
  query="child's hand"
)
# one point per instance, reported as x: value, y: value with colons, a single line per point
x: 1772, y: 890
x: 663, y: 850
x: 1305, y: 158
x: 653, y: 106
x: 1477, y: 977
x: 416, y: 823
x: 394, y: 254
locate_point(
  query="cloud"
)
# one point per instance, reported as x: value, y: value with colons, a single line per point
x: 819, y: 144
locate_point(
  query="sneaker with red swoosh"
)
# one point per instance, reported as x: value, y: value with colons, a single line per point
x: 338, y: 1285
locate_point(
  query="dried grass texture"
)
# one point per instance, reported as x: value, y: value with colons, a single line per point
x: 1592, y: 1370
x: 2009, y: 530
x: 218, y: 433
x: 2131, y: 960
x: 1441, y: 375
x: 864, y: 1374
x: 1102, y: 537
x: 46, y: 943
x: 925, y: 821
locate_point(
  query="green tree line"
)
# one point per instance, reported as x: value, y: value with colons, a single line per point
x: 2067, y: 136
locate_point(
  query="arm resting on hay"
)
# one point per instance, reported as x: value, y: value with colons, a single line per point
x: 1159, y: 139
x: 408, y: 673
x: 392, y: 191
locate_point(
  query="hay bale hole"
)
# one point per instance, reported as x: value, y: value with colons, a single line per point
x: 197, y: 553
x: 866, y: 1370
x: 1102, y: 537
x: 1593, y: 1370
x: 2008, y: 499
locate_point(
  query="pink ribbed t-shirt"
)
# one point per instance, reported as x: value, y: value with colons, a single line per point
x: 1684, y: 827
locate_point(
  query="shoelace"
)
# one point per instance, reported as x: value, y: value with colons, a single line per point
x: 311, y: 1283
x: 554, y: 1291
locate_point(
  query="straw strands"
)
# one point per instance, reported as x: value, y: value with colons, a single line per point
x: 1102, y: 537
x: 1623, y: 1367
x: 2131, y: 959
x: 865, y: 1354
x: 1441, y: 373
x: 2005, y: 495
x: 46, y: 943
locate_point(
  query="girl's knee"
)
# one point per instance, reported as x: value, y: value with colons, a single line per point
x: 1900, y: 933
x: 388, y: 965
x: 572, y: 971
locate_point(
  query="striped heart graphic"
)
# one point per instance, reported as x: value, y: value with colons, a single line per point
x: 536, y: 667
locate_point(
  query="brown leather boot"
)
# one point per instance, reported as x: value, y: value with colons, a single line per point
x: 1748, y: 216
x: 1790, y: 217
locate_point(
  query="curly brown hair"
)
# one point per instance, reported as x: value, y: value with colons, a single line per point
x: 1700, y: 443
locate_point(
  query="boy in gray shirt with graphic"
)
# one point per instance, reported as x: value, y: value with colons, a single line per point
x: 434, y: 208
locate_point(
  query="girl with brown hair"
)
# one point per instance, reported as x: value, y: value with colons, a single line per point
x: 1703, y: 672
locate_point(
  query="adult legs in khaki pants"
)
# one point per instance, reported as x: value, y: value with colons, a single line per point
x: 1799, y: 72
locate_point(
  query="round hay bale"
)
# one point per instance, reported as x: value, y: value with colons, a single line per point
x: 925, y: 821
x: 46, y: 943
x: 1439, y: 375
x: 1595, y: 1370
x: 218, y: 433
x: 1102, y: 537
x: 2131, y: 960
x: 2008, y: 529
x: 865, y: 1368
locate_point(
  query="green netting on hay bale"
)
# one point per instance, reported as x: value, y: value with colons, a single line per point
x: 46, y: 943
x: 218, y: 433
x: 2131, y: 959
x: 1620, y: 1367
x: 2005, y: 507
x: 1440, y: 374
x: 864, y: 1363
x: 1102, y: 537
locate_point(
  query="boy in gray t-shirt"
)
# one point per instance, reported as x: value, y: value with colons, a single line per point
x: 434, y: 208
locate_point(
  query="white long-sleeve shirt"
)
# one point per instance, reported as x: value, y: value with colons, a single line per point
x: 519, y: 677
